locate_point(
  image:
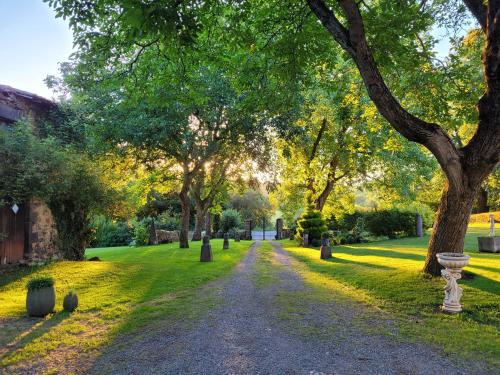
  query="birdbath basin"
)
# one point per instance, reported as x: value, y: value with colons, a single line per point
x: 453, y: 260
x: 453, y: 264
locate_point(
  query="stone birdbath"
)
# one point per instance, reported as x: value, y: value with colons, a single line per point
x: 453, y: 264
x: 491, y: 243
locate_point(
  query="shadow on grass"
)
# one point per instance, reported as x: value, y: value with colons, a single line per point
x: 483, y: 283
x: 10, y: 275
x: 378, y: 252
x: 335, y: 259
x: 30, y: 329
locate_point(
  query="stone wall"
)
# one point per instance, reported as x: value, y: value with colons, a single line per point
x: 43, y: 233
x: 166, y: 236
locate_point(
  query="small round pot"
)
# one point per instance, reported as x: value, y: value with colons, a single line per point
x: 70, y: 302
x: 41, y: 302
x: 453, y: 260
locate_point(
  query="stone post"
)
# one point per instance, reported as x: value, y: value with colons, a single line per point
x: 237, y: 236
x: 208, y: 225
x: 248, y: 229
x: 279, y: 229
x: 225, y: 246
x: 206, y: 250
x: 305, y: 239
x: 419, y: 229
x: 325, y: 250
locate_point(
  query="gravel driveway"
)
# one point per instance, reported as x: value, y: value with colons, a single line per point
x: 243, y: 336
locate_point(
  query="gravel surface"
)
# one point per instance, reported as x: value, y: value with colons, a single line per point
x: 242, y: 335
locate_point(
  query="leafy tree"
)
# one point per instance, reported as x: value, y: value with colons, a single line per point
x: 285, y: 48
x: 230, y: 219
x: 465, y: 167
x: 252, y: 205
x: 67, y: 180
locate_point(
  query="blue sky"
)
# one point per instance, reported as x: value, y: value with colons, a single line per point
x: 32, y: 43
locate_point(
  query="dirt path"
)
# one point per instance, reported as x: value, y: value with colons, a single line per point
x: 242, y: 335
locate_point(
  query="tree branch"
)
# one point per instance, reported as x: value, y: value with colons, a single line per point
x: 331, y: 23
x: 478, y: 10
x: 353, y: 40
x: 316, y: 142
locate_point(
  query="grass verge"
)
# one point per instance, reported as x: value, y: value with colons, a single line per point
x: 127, y: 289
x: 387, y: 275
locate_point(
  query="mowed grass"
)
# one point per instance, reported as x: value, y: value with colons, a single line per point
x: 128, y: 288
x: 387, y: 275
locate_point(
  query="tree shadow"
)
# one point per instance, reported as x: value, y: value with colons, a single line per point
x: 486, y: 268
x: 483, y: 283
x: 27, y: 330
x: 10, y: 275
x: 373, y: 251
x: 335, y: 259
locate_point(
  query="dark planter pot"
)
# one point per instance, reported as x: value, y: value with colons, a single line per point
x: 70, y: 302
x: 41, y: 302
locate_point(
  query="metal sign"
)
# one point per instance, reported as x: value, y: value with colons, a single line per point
x: 15, y: 208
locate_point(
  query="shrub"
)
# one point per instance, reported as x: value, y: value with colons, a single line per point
x: 167, y: 221
x: 216, y: 223
x: 40, y: 282
x: 141, y: 234
x: 391, y: 223
x: 484, y: 217
x: 107, y: 233
x: 348, y: 221
x: 311, y: 223
x: 230, y: 219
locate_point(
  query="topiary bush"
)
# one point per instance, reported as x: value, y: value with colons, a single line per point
x: 311, y: 222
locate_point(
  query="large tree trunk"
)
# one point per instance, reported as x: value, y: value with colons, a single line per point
x: 183, y: 238
x: 451, y: 224
x: 208, y: 225
x: 199, y: 222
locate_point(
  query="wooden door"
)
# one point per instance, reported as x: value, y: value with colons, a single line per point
x: 12, y: 232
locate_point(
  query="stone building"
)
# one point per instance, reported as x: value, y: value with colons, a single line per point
x: 27, y: 229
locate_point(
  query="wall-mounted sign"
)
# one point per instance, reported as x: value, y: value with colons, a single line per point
x: 15, y: 208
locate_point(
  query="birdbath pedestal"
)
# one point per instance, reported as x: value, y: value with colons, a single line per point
x: 453, y: 264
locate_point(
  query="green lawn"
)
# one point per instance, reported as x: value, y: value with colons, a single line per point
x: 387, y: 275
x: 128, y: 288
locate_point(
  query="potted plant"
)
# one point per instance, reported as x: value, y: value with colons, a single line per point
x: 41, y: 297
x: 70, y: 302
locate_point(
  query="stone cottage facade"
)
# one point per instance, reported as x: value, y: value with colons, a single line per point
x: 27, y: 229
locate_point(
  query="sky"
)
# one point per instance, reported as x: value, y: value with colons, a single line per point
x: 33, y: 42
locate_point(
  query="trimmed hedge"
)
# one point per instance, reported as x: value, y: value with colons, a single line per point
x: 391, y: 223
x: 484, y: 217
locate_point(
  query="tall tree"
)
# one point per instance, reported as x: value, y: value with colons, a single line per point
x: 465, y: 167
